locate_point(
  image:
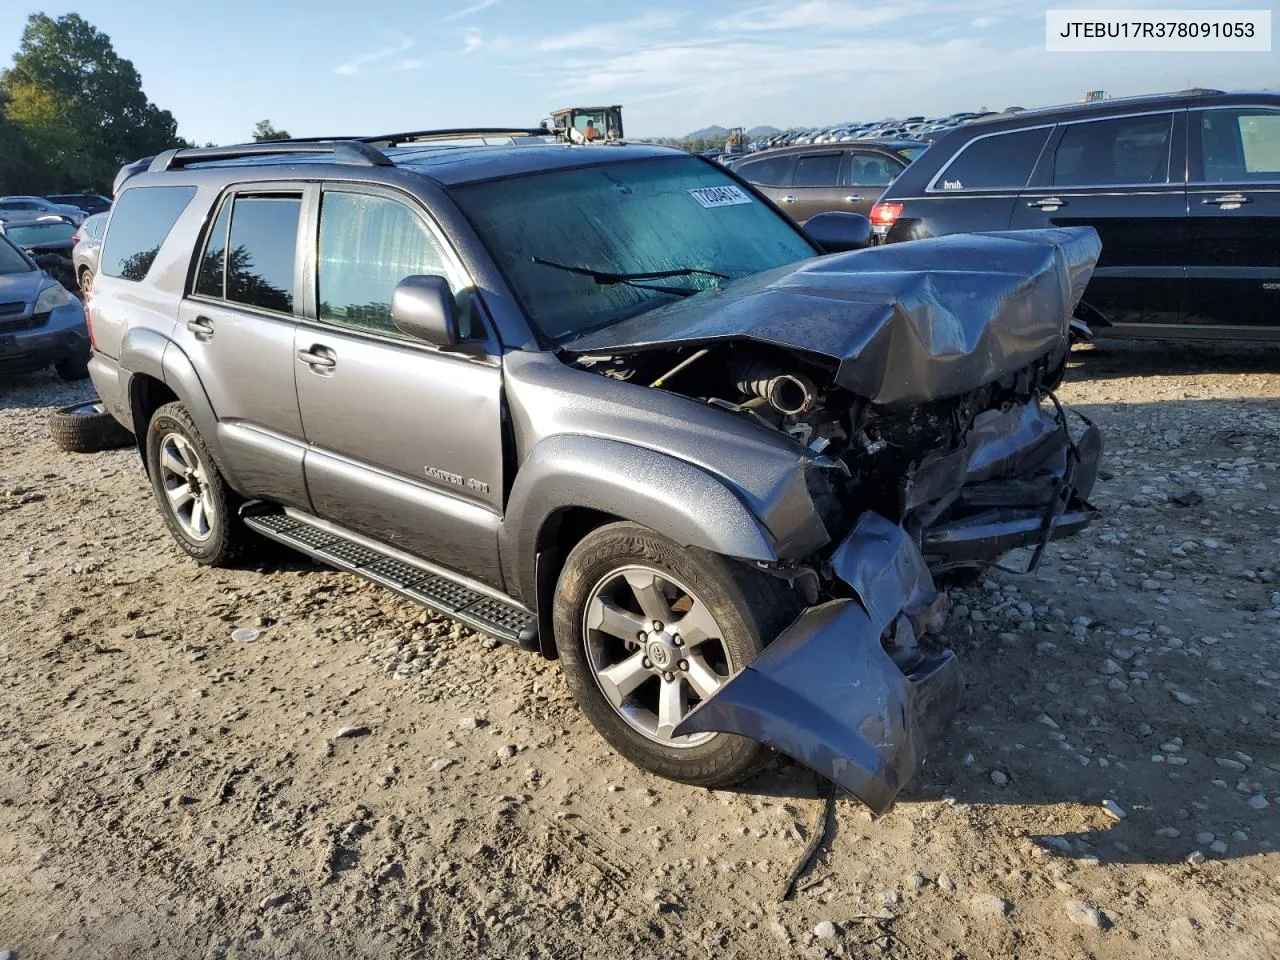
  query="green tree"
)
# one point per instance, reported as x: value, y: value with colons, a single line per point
x: 79, y: 104
x: 264, y: 131
x: 22, y: 170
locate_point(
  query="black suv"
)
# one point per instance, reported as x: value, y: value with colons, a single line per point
x: 1183, y: 189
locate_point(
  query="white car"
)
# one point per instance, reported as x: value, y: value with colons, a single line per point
x: 30, y: 207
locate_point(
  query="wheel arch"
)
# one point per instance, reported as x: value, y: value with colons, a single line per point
x: 570, y: 485
x: 159, y: 372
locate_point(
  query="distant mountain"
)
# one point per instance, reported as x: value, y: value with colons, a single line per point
x: 707, y: 133
x: 715, y: 131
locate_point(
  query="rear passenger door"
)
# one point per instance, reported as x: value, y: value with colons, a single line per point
x: 236, y: 326
x: 1125, y: 177
x: 404, y: 439
x: 770, y: 175
x: 1234, y: 200
x: 977, y: 188
x: 815, y: 185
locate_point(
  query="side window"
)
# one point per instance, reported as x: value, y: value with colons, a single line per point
x: 817, y: 170
x: 140, y: 222
x: 368, y: 244
x: 261, y: 250
x: 1240, y: 145
x: 1002, y: 161
x: 211, y: 277
x: 1126, y: 150
x: 870, y: 170
x: 771, y: 171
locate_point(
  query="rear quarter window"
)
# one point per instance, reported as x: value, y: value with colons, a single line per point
x: 1001, y: 161
x: 140, y: 222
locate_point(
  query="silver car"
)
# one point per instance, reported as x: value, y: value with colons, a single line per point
x: 87, y: 249
x: 27, y: 208
x: 610, y: 406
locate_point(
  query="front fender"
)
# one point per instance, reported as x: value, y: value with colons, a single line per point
x: 673, y: 497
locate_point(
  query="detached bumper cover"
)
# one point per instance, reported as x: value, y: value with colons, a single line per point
x: 828, y: 694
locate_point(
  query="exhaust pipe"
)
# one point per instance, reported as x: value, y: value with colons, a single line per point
x: 788, y: 393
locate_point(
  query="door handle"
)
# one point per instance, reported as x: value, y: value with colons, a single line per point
x: 854, y: 198
x: 1232, y: 201
x: 202, y: 327
x: 318, y: 356
x: 1047, y: 203
x: 788, y: 199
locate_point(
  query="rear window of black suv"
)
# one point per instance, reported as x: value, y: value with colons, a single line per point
x: 140, y: 222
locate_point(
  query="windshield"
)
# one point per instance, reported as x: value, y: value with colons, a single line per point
x: 34, y: 234
x: 677, y: 215
x: 910, y: 153
x: 11, y: 261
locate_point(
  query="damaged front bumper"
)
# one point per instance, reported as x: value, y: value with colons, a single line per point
x: 828, y: 693
x: 845, y: 689
x: 1019, y: 479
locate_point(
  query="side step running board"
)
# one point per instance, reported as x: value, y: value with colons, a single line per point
x: 491, y: 616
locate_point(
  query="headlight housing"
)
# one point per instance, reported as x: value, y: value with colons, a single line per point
x: 51, y: 298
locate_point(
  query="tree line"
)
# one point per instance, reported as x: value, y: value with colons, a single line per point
x: 72, y: 111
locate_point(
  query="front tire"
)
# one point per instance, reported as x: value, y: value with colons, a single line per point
x: 197, y: 505
x: 647, y: 630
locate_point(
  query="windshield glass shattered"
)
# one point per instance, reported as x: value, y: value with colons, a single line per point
x: 676, y: 223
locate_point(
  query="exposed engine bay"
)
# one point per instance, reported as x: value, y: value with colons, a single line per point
x: 872, y: 449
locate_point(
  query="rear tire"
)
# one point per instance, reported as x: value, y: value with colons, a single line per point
x: 87, y: 428
x: 745, y: 608
x: 197, y: 505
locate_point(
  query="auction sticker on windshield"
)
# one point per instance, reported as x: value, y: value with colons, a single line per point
x: 729, y: 196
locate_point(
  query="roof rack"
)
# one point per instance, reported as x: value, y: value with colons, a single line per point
x: 355, y: 152
x: 460, y: 133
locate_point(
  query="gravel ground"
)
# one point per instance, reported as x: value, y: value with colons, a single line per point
x: 364, y: 779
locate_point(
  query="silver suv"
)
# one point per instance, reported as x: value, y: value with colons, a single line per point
x: 605, y: 403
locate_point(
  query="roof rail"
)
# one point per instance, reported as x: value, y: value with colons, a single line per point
x: 344, y: 151
x: 1199, y: 92
x: 460, y: 133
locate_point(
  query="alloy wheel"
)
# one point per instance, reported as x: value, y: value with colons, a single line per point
x: 655, y: 651
x: 185, y: 480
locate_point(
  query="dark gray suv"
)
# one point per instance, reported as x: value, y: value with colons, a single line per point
x: 605, y: 403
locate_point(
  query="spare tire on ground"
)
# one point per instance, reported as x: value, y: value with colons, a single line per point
x: 87, y: 428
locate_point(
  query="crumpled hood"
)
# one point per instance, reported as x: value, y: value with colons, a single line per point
x: 22, y: 287
x: 905, y: 322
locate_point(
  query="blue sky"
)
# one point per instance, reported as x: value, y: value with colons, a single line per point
x: 320, y: 67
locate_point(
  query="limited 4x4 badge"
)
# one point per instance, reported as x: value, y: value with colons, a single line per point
x: 457, y: 479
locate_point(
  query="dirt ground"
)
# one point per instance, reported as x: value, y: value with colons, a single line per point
x: 167, y: 791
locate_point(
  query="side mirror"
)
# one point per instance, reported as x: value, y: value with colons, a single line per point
x: 838, y: 232
x: 423, y: 307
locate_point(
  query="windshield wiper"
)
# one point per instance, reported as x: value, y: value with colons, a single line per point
x: 605, y: 278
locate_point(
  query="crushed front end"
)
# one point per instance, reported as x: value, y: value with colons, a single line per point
x: 918, y: 381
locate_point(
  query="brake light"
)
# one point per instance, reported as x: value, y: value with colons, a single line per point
x: 885, y: 214
x: 75, y: 238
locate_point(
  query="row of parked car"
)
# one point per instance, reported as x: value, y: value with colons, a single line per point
x: 1183, y: 190
x: 912, y: 128
x: 48, y: 255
